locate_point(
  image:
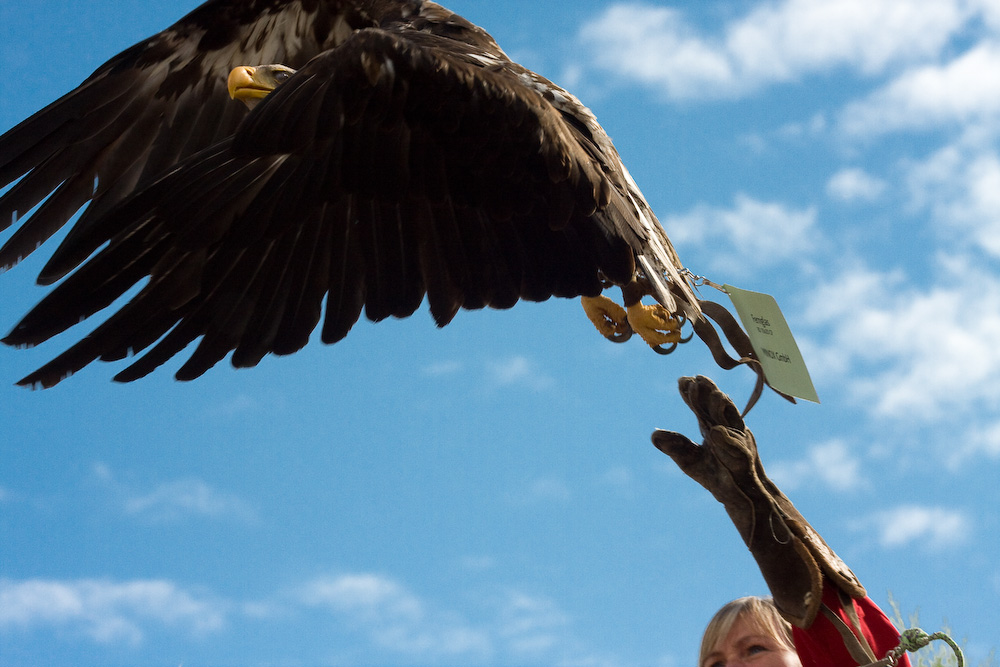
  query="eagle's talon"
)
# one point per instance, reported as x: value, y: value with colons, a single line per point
x: 657, y: 326
x: 659, y: 349
x: 608, y: 317
x: 619, y: 337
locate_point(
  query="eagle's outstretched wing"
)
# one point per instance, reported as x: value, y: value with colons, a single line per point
x: 143, y: 111
x: 410, y: 157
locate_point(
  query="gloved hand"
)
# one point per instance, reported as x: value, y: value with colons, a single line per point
x: 791, y: 555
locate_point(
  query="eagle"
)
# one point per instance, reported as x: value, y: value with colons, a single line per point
x: 385, y: 152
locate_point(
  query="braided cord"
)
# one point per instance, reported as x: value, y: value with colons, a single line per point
x: 915, y: 639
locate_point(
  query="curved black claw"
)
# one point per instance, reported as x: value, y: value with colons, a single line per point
x: 683, y: 319
x: 620, y: 337
x: 659, y: 349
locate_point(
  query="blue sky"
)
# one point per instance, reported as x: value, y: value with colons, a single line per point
x: 486, y: 493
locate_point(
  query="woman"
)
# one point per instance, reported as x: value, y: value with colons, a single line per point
x: 751, y: 631
x: 748, y: 631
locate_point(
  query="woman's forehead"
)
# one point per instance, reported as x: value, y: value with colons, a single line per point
x: 749, y: 625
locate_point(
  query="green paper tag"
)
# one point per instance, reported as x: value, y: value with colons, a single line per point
x: 773, y: 342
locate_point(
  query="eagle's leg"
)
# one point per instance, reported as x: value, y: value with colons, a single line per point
x: 609, y: 318
x: 655, y: 324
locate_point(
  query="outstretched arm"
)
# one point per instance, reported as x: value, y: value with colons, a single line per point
x: 812, y: 587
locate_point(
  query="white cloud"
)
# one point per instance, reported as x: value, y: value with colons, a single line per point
x: 777, y: 41
x: 618, y: 476
x: 441, y: 368
x: 186, y: 497
x: 750, y: 234
x: 853, y: 184
x: 542, y: 490
x: 233, y: 406
x: 174, y: 500
x: 914, y: 353
x: 831, y: 464
x: 813, y: 127
x: 965, y: 90
x: 477, y: 563
x: 107, y: 611
x: 395, y: 618
x: 987, y: 439
x: 917, y: 525
x: 960, y: 186
x: 512, y: 626
x: 979, y: 440
x: 519, y: 370
x: 832, y: 311
x: 654, y: 46
x: 530, y: 625
x: 518, y: 627
x: 990, y: 11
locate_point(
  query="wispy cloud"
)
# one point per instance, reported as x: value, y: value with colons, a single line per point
x: 662, y: 48
x: 513, y: 371
x: 978, y: 440
x: 916, y: 353
x: 746, y: 234
x: 518, y: 370
x: 618, y: 476
x: 233, y: 406
x: 477, y: 563
x: 515, y: 626
x: 510, y: 626
x: 174, y: 500
x: 929, y: 527
x: 440, y: 368
x: 531, y: 626
x: 656, y: 47
x: 107, y: 611
x: 541, y: 490
x: 831, y: 464
x: 855, y: 185
x: 394, y: 618
x: 959, y: 186
x: 187, y: 497
x: 963, y: 90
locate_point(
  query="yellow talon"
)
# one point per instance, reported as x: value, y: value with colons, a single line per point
x: 609, y: 318
x: 655, y: 325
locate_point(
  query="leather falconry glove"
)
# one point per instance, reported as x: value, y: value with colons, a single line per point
x: 791, y: 555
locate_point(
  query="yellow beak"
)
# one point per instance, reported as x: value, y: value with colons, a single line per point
x: 244, y: 86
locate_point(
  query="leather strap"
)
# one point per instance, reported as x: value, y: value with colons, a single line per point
x: 854, y: 639
x: 740, y: 342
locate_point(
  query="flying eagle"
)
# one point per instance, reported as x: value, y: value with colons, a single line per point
x: 387, y: 151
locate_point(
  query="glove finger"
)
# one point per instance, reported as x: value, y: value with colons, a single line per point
x: 678, y: 447
x: 710, y: 404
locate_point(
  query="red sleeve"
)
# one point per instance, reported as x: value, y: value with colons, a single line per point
x: 822, y: 646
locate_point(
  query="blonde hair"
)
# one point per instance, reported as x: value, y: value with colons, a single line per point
x: 759, y: 612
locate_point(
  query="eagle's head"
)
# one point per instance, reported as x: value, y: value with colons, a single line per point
x: 252, y: 84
